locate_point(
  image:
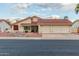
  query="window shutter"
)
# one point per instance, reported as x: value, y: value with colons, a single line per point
x: 15, y: 27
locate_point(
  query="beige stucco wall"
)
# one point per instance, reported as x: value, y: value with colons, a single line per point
x: 20, y: 26
x: 55, y: 29
x: 25, y: 21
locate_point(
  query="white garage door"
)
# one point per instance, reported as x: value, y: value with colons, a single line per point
x: 54, y: 29
x: 45, y: 29
x: 60, y: 29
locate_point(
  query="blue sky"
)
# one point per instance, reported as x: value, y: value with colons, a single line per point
x: 22, y: 10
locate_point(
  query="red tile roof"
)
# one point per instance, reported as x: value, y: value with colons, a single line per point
x: 56, y: 22
x: 43, y: 22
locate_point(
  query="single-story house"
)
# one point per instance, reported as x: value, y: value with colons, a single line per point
x: 4, y: 25
x: 42, y: 25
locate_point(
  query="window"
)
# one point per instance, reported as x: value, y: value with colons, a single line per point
x: 15, y: 27
x: 26, y: 27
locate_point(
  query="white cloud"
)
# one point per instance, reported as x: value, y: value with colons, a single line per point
x: 62, y: 6
x: 50, y: 5
x: 67, y: 6
x: 22, y: 5
x: 21, y: 8
x: 54, y: 16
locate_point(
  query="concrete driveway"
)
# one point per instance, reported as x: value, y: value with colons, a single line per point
x: 61, y: 36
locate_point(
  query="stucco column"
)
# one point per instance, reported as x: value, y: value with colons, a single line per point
x: 39, y: 29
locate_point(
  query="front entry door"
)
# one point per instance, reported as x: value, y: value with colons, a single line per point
x: 34, y: 28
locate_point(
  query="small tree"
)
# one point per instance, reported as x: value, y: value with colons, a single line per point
x: 77, y: 9
x: 65, y: 17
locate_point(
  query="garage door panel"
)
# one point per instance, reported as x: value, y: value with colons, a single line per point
x: 61, y: 30
x: 55, y: 29
x: 45, y: 29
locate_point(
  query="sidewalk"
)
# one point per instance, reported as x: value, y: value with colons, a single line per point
x: 36, y: 36
x: 21, y: 38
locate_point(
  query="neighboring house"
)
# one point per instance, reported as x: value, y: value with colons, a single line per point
x: 5, y: 26
x: 41, y: 25
x: 75, y: 26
